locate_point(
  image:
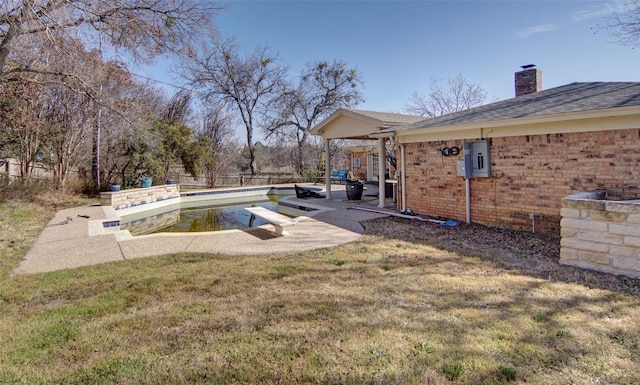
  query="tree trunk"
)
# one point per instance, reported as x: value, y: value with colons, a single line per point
x: 252, y: 151
x: 301, y: 142
x: 95, y: 163
x: 253, y: 164
x: 300, y: 166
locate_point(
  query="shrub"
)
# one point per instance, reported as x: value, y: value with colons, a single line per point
x: 310, y: 175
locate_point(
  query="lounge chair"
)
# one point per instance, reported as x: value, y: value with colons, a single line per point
x: 303, y: 193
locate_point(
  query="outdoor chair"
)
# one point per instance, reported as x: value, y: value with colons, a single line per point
x: 340, y: 176
x: 303, y: 193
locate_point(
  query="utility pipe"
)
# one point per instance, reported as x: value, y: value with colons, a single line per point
x: 403, y: 170
x: 468, y: 198
x: 382, y: 162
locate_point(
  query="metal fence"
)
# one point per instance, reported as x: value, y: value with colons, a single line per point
x: 242, y: 179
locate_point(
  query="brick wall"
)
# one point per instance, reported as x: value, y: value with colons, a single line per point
x: 359, y: 173
x: 528, y: 81
x: 531, y: 175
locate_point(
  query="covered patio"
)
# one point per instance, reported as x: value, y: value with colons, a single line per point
x: 360, y: 125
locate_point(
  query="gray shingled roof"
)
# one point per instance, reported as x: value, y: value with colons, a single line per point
x: 574, y: 97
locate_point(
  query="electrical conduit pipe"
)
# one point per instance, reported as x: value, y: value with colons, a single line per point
x: 403, y: 170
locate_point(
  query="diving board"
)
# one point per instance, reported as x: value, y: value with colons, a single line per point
x: 278, y: 220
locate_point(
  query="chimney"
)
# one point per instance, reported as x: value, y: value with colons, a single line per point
x: 529, y: 80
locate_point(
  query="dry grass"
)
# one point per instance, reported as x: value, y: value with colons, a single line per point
x: 23, y: 215
x: 380, y: 311
x: 536, y: 255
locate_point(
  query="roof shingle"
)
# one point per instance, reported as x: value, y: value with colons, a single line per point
x: 574, y: 97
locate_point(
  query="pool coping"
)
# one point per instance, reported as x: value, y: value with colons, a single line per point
x: 75, y: 237
x: 110, y: 224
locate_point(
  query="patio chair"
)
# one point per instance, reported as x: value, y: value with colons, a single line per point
x: 340, y: 176
x: 303, y: 193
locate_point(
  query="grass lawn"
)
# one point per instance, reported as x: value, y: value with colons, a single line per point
x: 380, y: 311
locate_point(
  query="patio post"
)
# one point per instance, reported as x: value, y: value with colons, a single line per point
x: 327, y: 169
x: 382, y: 160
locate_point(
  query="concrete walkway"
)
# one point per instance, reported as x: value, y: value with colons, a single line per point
x: 67, y: 241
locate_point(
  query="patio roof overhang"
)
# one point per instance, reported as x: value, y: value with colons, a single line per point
x: 359, y: 124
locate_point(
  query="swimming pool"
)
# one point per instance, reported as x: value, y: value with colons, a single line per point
x: 186, y: 218
x: 146, y: 211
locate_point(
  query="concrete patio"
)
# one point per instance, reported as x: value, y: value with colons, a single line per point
x: 70, y: 239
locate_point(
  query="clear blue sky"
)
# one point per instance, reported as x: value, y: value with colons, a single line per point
x: 398, y: 46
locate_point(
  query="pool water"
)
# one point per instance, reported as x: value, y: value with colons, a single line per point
x: 200, y: 218
x: 217, y: 218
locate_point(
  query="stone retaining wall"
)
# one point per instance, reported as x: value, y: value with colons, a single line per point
x: 139, y: 196
x: 601, y: 235
x: 153, y: 223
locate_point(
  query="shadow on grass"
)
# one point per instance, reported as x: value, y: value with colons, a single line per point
x: 536, y: 255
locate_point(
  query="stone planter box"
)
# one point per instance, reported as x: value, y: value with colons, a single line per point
x: 123, y: 199
x: 600, y: 235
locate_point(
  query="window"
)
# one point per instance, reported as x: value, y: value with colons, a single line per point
x: 373, y: 171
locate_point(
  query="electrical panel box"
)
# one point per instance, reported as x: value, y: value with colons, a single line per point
x: 477, y: 162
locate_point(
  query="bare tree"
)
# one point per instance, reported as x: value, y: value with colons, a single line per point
x: 22, y: 123
x: 69, y: 121
x: 445, y: 97
x: 34, y: 36
x: 125, y: 110
x: 179, y: 107
x: 624, y: 23
x: 143, y: 28
x: 323, y: 87
x: 222, y: 150
x: 70, y: 116
x: 248, y: 85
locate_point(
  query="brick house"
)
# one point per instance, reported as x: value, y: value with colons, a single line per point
x: 525, y: 154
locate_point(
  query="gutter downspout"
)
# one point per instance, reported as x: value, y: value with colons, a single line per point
x: 403, y: 170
